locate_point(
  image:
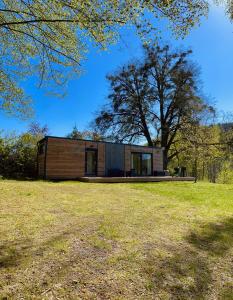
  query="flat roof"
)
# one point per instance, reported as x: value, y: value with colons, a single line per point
x: 115, y: 143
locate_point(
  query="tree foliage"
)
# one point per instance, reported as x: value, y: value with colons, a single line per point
x: 198, y: 150
x: 206, y: 152
x: 49, y: 39
x: 85, y: 135
x: 153, y: 99
x: 228, y: 4
x: 18, y: 153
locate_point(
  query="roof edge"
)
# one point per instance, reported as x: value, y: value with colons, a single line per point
x: 85, y: 140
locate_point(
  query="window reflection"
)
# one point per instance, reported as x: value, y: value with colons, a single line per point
x: 141, y: 164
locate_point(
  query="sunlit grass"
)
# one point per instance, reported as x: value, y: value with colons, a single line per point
x: 74, y: 240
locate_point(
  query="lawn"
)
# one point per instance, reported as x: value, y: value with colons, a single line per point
x: 74, y: 240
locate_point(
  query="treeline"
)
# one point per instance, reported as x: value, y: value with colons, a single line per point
x: 206, y: 152
x: 18, y: 152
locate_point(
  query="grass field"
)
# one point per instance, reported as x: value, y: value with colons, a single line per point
x: 75, y: 240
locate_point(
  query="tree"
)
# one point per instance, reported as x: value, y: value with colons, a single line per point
x: 18, y: 153
x: 75, y: 134
x: 49, y: 39
x: 37, y: 130
x: 86, y: 134
x: 228, y: 5
x: 198, y: 149
x: 205, y: 148
x: 153, y: 99
x: 206, y: 152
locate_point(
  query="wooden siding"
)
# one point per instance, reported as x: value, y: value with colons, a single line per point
x: 157, y: 159
x: 101, y: 159
x: 66, y: 158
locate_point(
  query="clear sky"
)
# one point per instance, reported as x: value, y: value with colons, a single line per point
x: 212, y: 44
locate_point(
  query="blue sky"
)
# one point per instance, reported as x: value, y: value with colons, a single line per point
x: 212, y: 44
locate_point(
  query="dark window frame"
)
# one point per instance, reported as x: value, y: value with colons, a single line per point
x: 96, y: 154
x: 141, y: 153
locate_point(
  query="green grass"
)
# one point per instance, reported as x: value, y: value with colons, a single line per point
x: 74, y: 240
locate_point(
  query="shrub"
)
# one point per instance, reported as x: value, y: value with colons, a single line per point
x: 18, y: 153
x: 226, y: 174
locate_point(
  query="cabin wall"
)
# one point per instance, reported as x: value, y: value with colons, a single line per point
x: 101, y: 159
x: 65, y: 158
x: 158, y: 159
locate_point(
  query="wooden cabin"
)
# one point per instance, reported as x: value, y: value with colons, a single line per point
x: 65, y: 158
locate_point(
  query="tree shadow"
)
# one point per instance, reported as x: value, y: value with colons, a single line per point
x: 181, y: 274
x: 215, y: 238
x: 46, y: 270
x: 185, y: 270
x: 11, y: 253
x: 171, y: 270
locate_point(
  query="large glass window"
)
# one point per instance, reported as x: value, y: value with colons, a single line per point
x: 141, y: 164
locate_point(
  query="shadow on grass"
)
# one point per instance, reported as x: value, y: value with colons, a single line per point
x: 181, y: 274
x: 172, y: 270
x: 82, y: 264
x: 185, y: 270
x: 11, y: 253
x: 215, y: 238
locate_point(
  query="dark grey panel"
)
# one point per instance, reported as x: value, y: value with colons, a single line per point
x: 114, y: 157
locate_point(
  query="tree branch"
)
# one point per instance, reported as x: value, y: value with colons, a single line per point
x: 58, y: 21
x: 42, y: 43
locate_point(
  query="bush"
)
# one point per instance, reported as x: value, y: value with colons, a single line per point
x: 18, y: 156
x: 18, y: 153
x: 226, y: 174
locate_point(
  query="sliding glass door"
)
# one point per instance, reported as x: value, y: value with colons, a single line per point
x: 141, y: 164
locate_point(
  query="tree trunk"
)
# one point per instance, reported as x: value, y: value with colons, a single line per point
x: 164, y: 144
x: 196, y: 164
x: 148, y: 137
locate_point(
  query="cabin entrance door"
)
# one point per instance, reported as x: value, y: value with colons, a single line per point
x: 91, y: 162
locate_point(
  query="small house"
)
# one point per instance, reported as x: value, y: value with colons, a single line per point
x: 65, y: 158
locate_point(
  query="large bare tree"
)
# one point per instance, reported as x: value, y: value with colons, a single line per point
x: 153, y: 99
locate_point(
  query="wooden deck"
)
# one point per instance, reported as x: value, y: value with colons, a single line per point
x: 133, y: 179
